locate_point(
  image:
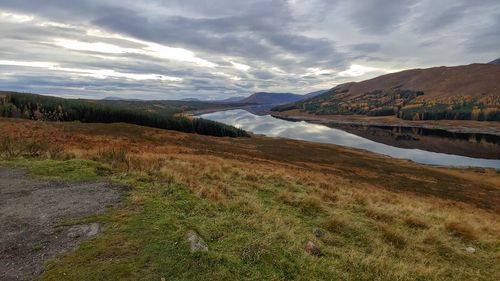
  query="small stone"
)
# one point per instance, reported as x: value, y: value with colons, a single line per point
x: 93, y: 229
x: 196, y: 243
x: 470, y: 250
x: 87, y: 230
x: 313, y: 250
x: 318, y: 232
x: 76, y: 231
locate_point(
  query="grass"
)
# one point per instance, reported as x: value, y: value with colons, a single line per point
x: 462, y: 230
x: 256, y: 211
x: 335, y: 224
x: 393, y: 237
x: 79, y: 170
x: 415, y: 222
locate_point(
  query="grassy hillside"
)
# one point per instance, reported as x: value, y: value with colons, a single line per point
x: 256, y: 202
x: 38, y: 107
x: 470, y: 92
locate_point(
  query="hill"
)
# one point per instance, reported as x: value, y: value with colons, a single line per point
x: 314, y: 94
x: 277, y: 98
x: 190, y: 99
x: 271, y: 98
x: 112, y: 98
x: 47, y: 108
x: 470, y: 92
x: 232, y: 99
x: 256, y: 203
x: 497, y: 61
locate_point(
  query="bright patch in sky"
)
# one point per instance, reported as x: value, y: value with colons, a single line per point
x: 11, y: 17
x: 96, y: 73
x: 29, y: 63
x: 165, y: 52
x: 240, y: 66
x: 92, y: 47
x: 356, y: 70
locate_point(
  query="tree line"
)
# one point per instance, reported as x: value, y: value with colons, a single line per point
x: 38, y: 107
x: 402, y: 103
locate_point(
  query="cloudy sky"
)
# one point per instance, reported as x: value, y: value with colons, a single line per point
x: 171, y: 49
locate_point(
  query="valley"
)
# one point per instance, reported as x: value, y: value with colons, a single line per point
x: 276, y: 140
x: 427, y: 146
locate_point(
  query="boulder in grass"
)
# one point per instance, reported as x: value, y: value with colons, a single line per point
x: 313, y: 250
x: 470, y: 250
x: 196, y: 243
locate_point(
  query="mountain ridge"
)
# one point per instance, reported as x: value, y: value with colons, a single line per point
x: 278, y: 98
x: 497, y: 61
x: 470, y: 92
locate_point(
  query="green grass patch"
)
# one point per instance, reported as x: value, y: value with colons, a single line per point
x: 79, y: 170
x: 258, y: 233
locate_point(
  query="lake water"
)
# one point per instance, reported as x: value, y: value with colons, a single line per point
x: 273, y: 127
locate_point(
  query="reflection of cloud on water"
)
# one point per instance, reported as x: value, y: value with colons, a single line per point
x: 274, y: 127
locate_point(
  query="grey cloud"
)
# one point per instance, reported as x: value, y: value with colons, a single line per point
x: 487, y: 39
x: 380, y: 16
x: 263, y: 74
x: 366, y: 47
x: 442, y: 19
x: 280, y: 41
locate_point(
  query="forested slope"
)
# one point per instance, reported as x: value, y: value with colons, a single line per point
x: 470, y: 92
x: 38, y: 107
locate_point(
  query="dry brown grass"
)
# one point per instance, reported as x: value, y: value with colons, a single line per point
x: 343, y: 194
x: 462, y: 230
x: 378, y: 215
x: 335, y: 224
x: 393, y: 237
x: 415, y: 222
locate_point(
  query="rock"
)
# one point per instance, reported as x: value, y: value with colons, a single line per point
x: 87, y: 230
x: 318, y: 232
x: 313, y: 250
x: 470, y: 250
x: 75, y: 231
x: 94, y: 228
x: 196, y: 243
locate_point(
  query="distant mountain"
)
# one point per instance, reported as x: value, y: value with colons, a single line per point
x: 111, y: 98
x: 271, y: 98
x: 190, y: 99
x: 497, y: 61
x: 277, y: 98
x: 233, y: 99
x: 460, y: 92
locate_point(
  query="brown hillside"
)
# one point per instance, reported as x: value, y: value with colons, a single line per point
x: 468, y: 92
x: 466, y: 80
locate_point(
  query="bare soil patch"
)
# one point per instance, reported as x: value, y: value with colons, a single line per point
x: 32, y: 216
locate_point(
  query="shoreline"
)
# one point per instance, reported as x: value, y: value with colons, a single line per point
x: 470, y: 127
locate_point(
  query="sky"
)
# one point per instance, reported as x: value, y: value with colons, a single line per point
x: 175, y: 49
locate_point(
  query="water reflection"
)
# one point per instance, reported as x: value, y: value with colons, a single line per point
x: 270, y: 126
x: 435, y: 140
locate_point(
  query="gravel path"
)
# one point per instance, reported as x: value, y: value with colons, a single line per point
x: 29, y: 212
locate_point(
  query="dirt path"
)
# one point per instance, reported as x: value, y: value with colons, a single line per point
x: 30, y: 212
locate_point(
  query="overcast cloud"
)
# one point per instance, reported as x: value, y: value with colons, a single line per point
x: 161, y: 49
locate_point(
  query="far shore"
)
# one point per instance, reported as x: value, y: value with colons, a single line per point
x: 455, y: 126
